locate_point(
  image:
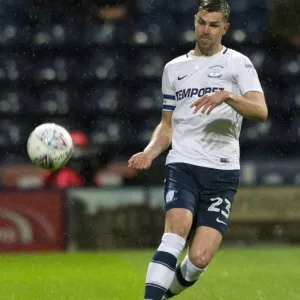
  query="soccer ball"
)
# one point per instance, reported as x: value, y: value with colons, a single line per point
x: 49, y: 146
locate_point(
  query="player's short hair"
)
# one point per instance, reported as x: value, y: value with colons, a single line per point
x: 216, y: 6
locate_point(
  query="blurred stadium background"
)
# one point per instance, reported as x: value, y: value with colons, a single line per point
x: 95, y: 67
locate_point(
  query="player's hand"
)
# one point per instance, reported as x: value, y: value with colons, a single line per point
x: 140, y: 161
x: 209, y: 101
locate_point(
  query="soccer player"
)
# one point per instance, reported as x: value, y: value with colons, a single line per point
x: 207, y: 92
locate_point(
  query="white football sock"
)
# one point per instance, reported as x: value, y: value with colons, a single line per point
x: 161, y: 269
x: 185, y: 276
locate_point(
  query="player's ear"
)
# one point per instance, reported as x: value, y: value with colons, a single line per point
x: 226, y: 27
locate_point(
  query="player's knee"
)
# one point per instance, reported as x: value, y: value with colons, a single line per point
x: 200, y: 259
x: 182, y: 229
x: 178, y: 221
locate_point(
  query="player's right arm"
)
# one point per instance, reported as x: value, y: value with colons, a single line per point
x: 160, y: 141
x: 162, y: 135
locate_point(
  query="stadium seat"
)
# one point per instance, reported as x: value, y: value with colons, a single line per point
x: 283, y: 121
x: 292, y: 96
x: 150, y: 63
x: 14, y: 102
x: 102, y: 34
x: 11, y: 10
x: 105, y: 99
x: 59, y: 34
x: 55, y: 100
x: 13, y: 5
x: 272, y: 178
x: 13, y: 132
x: 265, y: 64
x: 274, y: 96
x: 13, y: 35
x: 57, y: 69
x: 244, y: 6
x: 160, y: 30
x: 14, y: 67
x: 10, y: 102
x: 239, y: 6
x: 255, y: 131
x: 258, y: 4
x: 296, y: 127
x: 106, y: 33
x: 145, y: 131
x: 278, y: 172
x: 296, y: 178
x: 10, y: 157
x: 247, y: 28
x: 182, y: 7
x: 5, y: 139
x: 101, y: 66
x: 148, y: 98
x: 150, y: 6
x: 290, y: 67
x: 108, y: 131
x: 186, y: 30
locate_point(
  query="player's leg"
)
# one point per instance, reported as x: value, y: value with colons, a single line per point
x: 212, y: 218
x: 205, y: 243
x: 180, y: 207
x: 162, y: 266
x: 186, y: 274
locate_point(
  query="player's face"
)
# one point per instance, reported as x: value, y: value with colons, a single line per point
x: 209, y: 29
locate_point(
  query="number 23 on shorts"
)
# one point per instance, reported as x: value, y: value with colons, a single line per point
x: 215, y: 207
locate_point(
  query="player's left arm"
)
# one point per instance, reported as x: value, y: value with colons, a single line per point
x: 251, y: 104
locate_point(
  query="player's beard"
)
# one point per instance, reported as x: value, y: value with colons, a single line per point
x: 205, y: 47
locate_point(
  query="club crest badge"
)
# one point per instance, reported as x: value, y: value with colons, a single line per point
x: 215, y: 71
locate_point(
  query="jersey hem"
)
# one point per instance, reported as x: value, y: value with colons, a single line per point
x: 204, y: 164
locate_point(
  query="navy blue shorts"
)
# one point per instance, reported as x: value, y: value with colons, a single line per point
x: 207, y: 193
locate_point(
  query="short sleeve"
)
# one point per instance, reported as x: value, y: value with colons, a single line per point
x: 247, y: 77
x: 169, y: 102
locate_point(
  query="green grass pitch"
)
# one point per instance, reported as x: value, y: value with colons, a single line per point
x: 234, y: 274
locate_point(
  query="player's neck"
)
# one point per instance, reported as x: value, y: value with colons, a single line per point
x: 209, y: 52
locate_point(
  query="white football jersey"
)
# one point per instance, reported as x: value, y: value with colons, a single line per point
x: 206, y: 140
